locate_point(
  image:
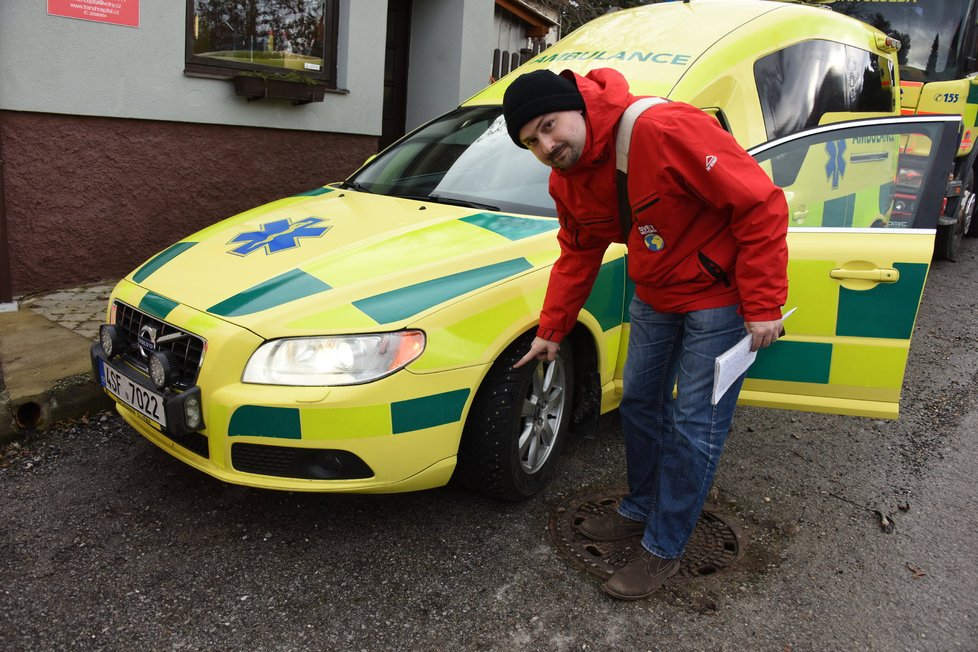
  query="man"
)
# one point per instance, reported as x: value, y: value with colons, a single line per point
x: 707, y: 253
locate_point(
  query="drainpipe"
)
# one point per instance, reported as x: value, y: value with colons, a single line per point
x: 6, y: 291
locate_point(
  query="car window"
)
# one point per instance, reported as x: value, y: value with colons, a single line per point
x: 802, y: 84
x: 871, y: 177
x: 933, y: 45
x: 464, y: 156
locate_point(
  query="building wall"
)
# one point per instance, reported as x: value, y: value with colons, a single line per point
x: 511, y: 41
x: 89, y: 198
x: 510, y: 31
x: 53, y: 64
x: 451, y: 46
x: 112, y: 152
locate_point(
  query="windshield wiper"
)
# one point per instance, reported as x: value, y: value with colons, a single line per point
x: 354, y: 185
x: 441, y: 199
x: 451, y: 201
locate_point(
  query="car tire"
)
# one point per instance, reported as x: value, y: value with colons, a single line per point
x: 948, y: 241
x: 947, y: 246
x: 968, y: 196
x: 517, y: 424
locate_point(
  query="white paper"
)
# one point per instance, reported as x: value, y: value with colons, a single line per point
x: 733, y: 362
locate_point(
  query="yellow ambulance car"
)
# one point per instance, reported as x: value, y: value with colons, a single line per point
x: 359, y: 337
x: 938, y: 42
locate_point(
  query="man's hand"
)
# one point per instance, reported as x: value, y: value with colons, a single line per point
x: 540, y: 349
x: 764, y: 333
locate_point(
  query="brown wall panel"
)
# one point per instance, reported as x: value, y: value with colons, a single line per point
x: 88, y: 199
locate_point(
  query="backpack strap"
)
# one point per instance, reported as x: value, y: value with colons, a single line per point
x: 623, y: 144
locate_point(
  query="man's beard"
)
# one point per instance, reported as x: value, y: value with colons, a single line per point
x: 565, y: 151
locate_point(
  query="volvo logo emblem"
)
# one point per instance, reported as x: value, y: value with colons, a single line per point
x: 147, y: 341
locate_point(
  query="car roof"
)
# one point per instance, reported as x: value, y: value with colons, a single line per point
x: 657, y: 46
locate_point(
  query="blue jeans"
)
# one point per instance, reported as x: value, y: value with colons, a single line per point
x: 673, y: 445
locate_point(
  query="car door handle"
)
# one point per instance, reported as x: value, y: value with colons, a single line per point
x: 879, y: 275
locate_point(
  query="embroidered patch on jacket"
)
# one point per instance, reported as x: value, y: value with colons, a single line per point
x: 653, y: 240
x: 711, y: 160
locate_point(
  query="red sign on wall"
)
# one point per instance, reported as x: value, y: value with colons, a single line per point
x: 117, y: 12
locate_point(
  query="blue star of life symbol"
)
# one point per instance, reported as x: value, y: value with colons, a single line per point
x: 836, y: 167
x: 278, y: 235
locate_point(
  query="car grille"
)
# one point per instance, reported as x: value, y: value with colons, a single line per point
x: 194, y: 442
x: 188, y: 349
x: 304, y: 463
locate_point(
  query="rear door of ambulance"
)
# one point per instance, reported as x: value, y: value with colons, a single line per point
x: 857, y: 270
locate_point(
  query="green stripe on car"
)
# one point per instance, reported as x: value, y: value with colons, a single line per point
x: 410, y: 300
x: 154, y: 304
x: 161, y: 259
x: 428, y: 411
x: 800, y: 362
x: 284, y: 288
x: 607, y: 295
x: 888, y: 310
x: 885, y: 196
x: 510, y: 227
x: 626, y: 317
x: 973, y: 94
x: 260, y: 421
x: 839, y: 212
x: 314, y: 192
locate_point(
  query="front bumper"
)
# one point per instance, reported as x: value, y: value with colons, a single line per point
x: 400, y: 433
x: 344, y: 439
x: 174, y: 404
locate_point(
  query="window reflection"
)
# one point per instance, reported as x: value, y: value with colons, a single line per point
x: 466, y: 155
x: 932, y: 34
x: 798, y: 85
x: 869, y: 177
x: 286, y: 34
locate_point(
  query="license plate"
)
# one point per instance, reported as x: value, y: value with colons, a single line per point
x: 147, y: 403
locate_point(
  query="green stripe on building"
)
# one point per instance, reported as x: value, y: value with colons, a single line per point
x: 428, y: 411
x: 408, y: 301
x: 607, y: 295
x: 887, y: 311
x: 800, y: 362
x: 282, y: 289
x: 161, y: 259
x: 259, y: 421
x: 154, y: 304
x: 510, y: 227
x: 314, y: 192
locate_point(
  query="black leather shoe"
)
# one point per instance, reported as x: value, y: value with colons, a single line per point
x: 610, y: 527
x: 641, y: 578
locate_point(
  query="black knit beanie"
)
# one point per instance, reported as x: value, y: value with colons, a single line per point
x: 535, y: 93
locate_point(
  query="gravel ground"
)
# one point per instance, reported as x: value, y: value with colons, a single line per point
x: 108, y: 543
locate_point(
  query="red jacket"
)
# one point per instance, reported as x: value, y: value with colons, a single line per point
x: 708, y: 224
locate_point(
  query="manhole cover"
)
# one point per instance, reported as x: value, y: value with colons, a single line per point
x: 716, y: 541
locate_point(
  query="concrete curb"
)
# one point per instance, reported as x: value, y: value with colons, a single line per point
x: 46, y: 375
x: 7, y: 431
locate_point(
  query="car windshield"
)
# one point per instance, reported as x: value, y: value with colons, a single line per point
x: 931, y: 34
x: 466, y: 158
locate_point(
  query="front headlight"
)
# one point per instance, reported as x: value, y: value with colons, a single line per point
x: 332, y: 360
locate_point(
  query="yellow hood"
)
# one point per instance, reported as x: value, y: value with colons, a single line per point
x: 344, y: 261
